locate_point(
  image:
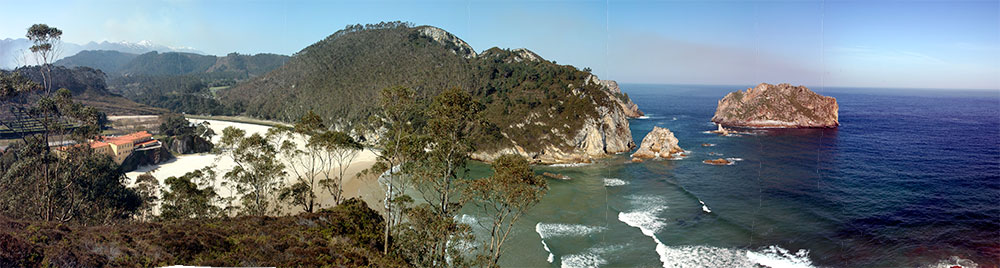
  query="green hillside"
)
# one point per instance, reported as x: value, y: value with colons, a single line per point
x: 175, y: 81
x: 109, y: 61
x: 89, y: 87
x: 232, y: 66
x: 339, y: 78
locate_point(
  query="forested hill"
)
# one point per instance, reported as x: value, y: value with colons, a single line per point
x: 176, y: 81
x: 89, y: 87
x: 116, y: 63
x: 108, y: 61
x: 547, y: 112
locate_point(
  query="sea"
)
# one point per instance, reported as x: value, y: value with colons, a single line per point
x: 911, y: 178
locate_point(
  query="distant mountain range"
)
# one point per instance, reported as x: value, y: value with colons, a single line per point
x: 117, y: 63
x: 177, y: 81
x: 12, y: 49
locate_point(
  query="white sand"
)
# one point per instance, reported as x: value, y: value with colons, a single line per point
x: 366, y: 188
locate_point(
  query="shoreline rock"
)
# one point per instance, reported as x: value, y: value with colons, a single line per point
x: 717, y: 162
x: 556, y: 176
x: 658, y: 143
x: 777, y: 106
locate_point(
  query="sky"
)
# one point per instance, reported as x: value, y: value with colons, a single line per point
x: 901, y: 44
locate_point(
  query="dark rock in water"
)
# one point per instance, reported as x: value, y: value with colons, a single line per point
x: 777, y: 106
x: 555, y: 176
x: 718, y: 162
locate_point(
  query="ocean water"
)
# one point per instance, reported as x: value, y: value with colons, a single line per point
x: 911, y: 178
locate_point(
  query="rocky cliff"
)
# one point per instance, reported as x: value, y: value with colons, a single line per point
x: 599, y: 136
x: 658, y: 143
x: 611, y: 86
x: 777, y: 106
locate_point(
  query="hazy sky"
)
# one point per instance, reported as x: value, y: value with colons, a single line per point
x: 910, y: 44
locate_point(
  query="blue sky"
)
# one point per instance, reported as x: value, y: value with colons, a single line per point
x: 908, y: 44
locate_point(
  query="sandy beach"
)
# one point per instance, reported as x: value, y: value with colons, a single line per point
x: 365, y: 187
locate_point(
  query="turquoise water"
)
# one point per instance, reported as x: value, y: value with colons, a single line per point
x: 905, y: 181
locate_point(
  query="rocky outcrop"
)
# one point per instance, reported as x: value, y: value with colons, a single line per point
x: 459, y: 47
x: 717, y: 162
x: 187, y: 144
x: 611, y: 87
x: 658, y: 143
x: 777, y: 106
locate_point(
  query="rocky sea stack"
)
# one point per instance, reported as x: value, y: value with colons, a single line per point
x: 777, y: 106
x: 658, y: 143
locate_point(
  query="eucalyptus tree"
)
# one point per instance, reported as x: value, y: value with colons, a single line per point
x: 46, y: 48
x: 192, y: 195
x: 439, y: 173
x: 394, y: 126
x: 508, y: 194
x: 340, y: 149
x: 258, y: 174
x: 306, y: 162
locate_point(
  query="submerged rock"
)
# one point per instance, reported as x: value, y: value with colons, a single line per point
x: 777, y: 106
x: 556, y: 176
x: 658, y: 143
x: 718, y: 162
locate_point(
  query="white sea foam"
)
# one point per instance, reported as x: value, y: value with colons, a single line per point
x: 550, y: 230
x: 952, y: 262
x: 546, y: 246
x: 643, y: 117
x: 611, y: 182
x: 675, y: 118
x: 644, y: 217
x: 466, y: 219
x: 704, y: 207
x: 777, y: 257
x: 733, y: 160
x: 679, y: 155
x: 586, y: 259
x: 592, y: 257
x: 570, y: 165
x: 707, y: 256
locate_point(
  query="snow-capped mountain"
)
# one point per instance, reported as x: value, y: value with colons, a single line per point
x: 14, y: 52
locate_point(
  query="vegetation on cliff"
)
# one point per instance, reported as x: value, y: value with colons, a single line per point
x: 526, y: 98
x: 179, y: 82
x: 343, y: 236
x: 87, y: 86
x: 777, y: 106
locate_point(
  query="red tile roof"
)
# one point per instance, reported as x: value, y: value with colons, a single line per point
x: 146, y: 142
x: 96, y: 144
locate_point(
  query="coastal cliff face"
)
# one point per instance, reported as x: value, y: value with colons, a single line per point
x: 658, y: 143
x: 777, y: 106
x: 611, y: 87
x: 600, y: 136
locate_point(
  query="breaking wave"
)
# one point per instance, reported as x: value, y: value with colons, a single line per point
x: 611, y: 182
x: 645, y: 217
x: 550, y: 230
x: 570, y: 165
